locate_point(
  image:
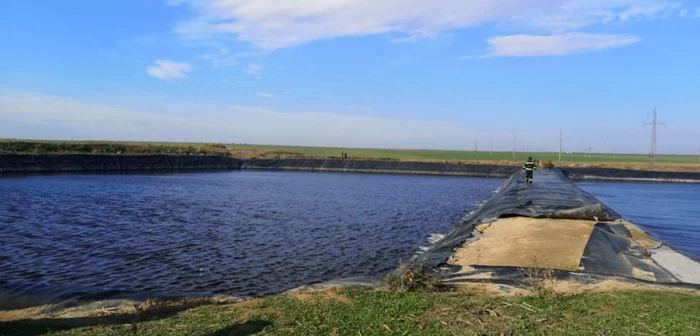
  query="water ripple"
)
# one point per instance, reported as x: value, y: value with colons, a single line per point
x: 670, y: 212
x: 237, y: 233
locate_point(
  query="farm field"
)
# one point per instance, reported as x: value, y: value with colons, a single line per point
x: 246, y: 150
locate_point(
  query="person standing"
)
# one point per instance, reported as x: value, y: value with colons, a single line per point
x: 529, y: 168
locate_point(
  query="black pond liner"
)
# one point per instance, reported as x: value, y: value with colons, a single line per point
x: 23, y: 164
x: 22, y: 295
x: 609, y: 251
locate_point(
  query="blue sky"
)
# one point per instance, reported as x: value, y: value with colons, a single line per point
x: 399, y: 73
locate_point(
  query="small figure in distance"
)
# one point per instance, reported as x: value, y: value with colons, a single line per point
x: 529, y: 168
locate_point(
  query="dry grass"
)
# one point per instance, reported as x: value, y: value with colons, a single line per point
x: 540, y: 280
x: 314, y: 296
x: 412, y: 277
x: 471, y: 316
x: 547, y: 164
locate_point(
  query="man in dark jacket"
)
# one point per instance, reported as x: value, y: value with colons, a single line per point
x: 529, y: 168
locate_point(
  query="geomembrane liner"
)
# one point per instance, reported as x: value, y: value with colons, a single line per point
x: 484, y: 245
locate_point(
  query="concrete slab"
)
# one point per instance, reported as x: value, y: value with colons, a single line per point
x: 685, y: 269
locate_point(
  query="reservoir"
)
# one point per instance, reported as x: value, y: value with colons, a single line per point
x: 242, y: 233
x: 669, y: 212
x: 250, y: 233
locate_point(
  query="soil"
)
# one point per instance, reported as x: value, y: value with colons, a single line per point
x: 528, y: 242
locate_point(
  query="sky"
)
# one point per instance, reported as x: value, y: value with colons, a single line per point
x: 444, y: 74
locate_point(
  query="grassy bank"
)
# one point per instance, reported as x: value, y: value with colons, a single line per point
x: 369, y: 312
x: 472, y: 155
x: 115, y: 148
x: 245, y: 151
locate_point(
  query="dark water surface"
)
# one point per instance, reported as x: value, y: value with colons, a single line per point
x: 237, y: 233
x: 669, y: 212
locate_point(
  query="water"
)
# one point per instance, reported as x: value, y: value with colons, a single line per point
x: 668, y: 212
x: 235, y: 233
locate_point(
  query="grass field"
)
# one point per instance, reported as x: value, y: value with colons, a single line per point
x: 101, y: 147
x: 471, y: 155
x: 369, y: 312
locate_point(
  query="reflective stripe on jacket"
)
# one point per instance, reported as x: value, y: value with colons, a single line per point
x: 529, y: 166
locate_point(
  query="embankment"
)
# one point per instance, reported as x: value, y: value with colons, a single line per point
x: 27, y: 164
x: 554, y: 224
x: 380, y: 166
x: 24, y: 164
x: 614, y: 174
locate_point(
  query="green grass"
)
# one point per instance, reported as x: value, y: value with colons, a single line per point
x: 365, y: 312
x: 49, y: 146
x: 471, y: 155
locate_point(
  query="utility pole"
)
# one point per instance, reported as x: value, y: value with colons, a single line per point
x: 515, y: 146
x: 654, y: 123
x: 476, y: 144
x: 561, y: 141
x: 491, y: 148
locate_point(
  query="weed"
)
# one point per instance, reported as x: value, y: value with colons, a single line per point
x: 540, y: 279
x: 547, y: 164
x: 412, y: 277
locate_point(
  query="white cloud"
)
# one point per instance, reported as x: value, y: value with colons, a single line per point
x: 266, y: 95
x: 254, y: 69
x: 554, y: 45
x: 222, y: 56
x: 684, y: 13
x: 81, y: 119
x: 646, y: 10
x: 167, y: 70
x: 273, y: 24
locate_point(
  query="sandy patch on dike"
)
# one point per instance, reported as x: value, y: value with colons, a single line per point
x: 528, y: 242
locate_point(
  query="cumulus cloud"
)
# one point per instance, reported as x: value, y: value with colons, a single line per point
x: 168, y: 70
x: 82, y: 119
x: 254, y: 69
x: 274, y: 24
x: 554, y: 45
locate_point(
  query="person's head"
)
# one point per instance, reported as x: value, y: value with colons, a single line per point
x: 529, y: 159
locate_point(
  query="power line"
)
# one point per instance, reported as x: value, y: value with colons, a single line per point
x: 654, y: 123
